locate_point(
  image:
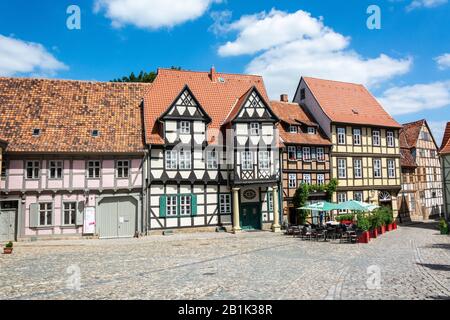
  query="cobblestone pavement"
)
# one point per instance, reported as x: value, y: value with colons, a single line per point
x: 414, y: 262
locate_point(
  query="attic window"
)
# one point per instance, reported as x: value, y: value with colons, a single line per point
x: 355, y: 111
x: 36, y: 132
x: 95, y: 133
x: 221, y: 80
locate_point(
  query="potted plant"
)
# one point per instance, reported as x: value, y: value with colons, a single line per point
x: 374, y: 224
x: 389, y: 220
x: 364, y: 226
x: 443, y: 226
x: 8, y: 248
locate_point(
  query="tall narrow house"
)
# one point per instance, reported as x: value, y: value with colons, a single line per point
x: 306, y: 154
x: 213, y: 158
x: 421, y: 195
x: 365, y: 139
x: 445, y: 159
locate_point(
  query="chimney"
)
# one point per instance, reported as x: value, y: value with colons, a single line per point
x: 284, y: 98
x: 212, y: 74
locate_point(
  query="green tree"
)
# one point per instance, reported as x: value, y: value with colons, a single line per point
x: 143, y: 76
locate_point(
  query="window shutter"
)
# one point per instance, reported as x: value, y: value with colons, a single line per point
x: 34, y: 215
x: 194, y: 204
x: 80, y: 213
x: 162, y: 206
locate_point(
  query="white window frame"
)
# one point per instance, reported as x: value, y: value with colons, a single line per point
x: 306, y: 152
x: 264, y: 160
x: 171, y: 206
x: 311, y: 130
x: 391, y: 168
x: 35, y: 166
x: 95, y: 167
x: 212, y: 160
x: 185, y: 162
x: 342, y: 168
x: 46, y: 209
x: 254, y: 129
x: 376, y: 137
x: 377, y: 168
x: 320, y: 179
x: 171, y: 160
x: 293, y: 129
x: 71, y: 210
x: 55, y: 169
x: 185, y: 127
x: 292, y: 178
x: 356, y: 136
x: 390, y: 139
x: 185, y: 205
x: 122, y: 167
x: 357, y: 169
x: 292, y: 150
x: 360, y: 193
x: 270, y: 201
x: 341, y: 135
x: 225, y: 203
x: 247, y: 160
x: 344, y: 198
x: 307, y: 178
x: 320, y: 154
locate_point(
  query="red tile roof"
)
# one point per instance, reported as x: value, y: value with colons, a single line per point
x: 346, y: 102
x: 292, y: 113
x: 445, y: 146
x: 218, y: 96
x: 406, y: 158
x: 66, y: 112
x: 409, y: 133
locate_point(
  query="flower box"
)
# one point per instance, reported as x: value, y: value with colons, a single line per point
x: 394, y: 225
x: 381, y: 229
x: 373, y: 233
x: 364, y: 237
x: 390, y: 227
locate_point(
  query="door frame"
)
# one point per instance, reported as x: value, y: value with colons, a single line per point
x: 259, y: 214
x: 16, y: 220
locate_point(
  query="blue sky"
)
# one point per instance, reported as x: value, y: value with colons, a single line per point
x: 406, y: 63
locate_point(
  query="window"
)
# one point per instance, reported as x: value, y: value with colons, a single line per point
x: 341, y: 135
x: 390, y: 138
x: 254, y: 129
x: 45, y: 214
x: 311, y: 130
x: 247, y: 160
x: 264, y: 160
x: 292, y: 180
x: 225, y: 203
x: 171, y: 159
x: 425, y: 136
x: 292, y: 153
x: 302, y: 94
x: 433, y: 153
x: 212, y: 160
x: 357, y: 137
x: 185, y: 205
x: 306, y: 178
x: 185, y: 160
x: 4, y: 169
x: 185, y: 127
x: 358, y: 196
x: 342, y: 168
x: 320, y: 179
x: 391, y: 168
x: 270, y: 201
x: 293, y: 129
x: 55, y: 168
x: 70, y: 213
x: 94, y: 169
x: 342, y: 197
x: 306, y: 153
x: 171, y: 206
x: 95, y: 133
x: 357, y: 168
x: 320, y: 154
x: 376, y: 137
x: 123, y: 168
x: 33, y: 169
x: 36, y: 132
x: 377, y: 168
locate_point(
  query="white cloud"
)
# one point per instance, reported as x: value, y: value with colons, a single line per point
x: 21, y: 57
x: 415, y: 98
x: 416, y: 4
x: 152, y: 14
x: 443, y: 61
x: 289, y: 45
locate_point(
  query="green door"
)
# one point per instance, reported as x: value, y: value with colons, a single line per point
x: 250, y: 216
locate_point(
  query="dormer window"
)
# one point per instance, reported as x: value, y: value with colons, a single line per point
x: 311, y: 130
x: 95, y: 133
x: 36, y: 132
x: 302, y: 94
x: 185, y: 127
x: 293, y: 129
x: 254, y: 129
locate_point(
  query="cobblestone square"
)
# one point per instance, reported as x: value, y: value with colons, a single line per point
x: 414, y: 262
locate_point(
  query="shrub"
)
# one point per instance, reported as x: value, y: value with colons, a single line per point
x: 363, y: 222
x: 376, y: 219
x: 443, y: 226
x: 9, y: 245
x: 343, y: 217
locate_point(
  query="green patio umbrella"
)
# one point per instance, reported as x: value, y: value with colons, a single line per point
x: 321, y: 206
x: 354, y: 205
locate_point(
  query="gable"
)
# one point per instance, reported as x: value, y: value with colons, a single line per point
x: 253, y: 107
x: 185, y: 106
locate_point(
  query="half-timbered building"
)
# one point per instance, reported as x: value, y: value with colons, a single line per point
x: 305, y: 156
x: 213, y: 158
x: 445, y: 160
x: 73, y: 162
x: 421, y: 195
x: 366, y: 153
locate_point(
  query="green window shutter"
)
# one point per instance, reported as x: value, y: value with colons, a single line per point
x: 80, y: 213
x: 162, y: 206
x: 34, y: 215
x: 194, y: 204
